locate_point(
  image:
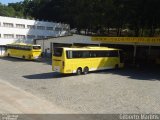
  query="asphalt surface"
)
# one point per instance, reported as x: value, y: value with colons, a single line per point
x: 110, y: 91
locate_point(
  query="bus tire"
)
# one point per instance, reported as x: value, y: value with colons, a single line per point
x: 116, y: 66
x: 23, y: 57
x: 85, y: 70
x: 79, y: 71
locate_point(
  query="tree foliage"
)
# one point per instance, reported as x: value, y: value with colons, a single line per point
x: 107, y: 17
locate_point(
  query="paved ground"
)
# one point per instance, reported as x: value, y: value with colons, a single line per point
x: 111, y: 91
x: 14, y: 100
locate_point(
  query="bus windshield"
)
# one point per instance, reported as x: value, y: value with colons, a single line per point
x: 57, y: 52
x: 36, y: 47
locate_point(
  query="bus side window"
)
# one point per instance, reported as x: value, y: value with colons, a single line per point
x: 27, y: 48
x: 77, y: 54
x: 85, y: 54
x: 69, y: 54
x: 92, y: 54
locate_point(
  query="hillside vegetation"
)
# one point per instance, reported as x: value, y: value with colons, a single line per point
x: 96, y: 17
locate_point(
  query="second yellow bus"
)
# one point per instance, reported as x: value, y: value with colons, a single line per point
x: 25, y: 51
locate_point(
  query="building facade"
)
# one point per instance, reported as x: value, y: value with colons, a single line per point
x: 138, y: 50
x: 24, y: 30
x: 49, y: 43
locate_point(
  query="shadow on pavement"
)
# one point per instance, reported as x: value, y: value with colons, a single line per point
x: 50, y: 75
x: 41, y: 60
x: 152, y: 74
x: 13, y: 59
x: 131, y: 73
x: 47, y: 61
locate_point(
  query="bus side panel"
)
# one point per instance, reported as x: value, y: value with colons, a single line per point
x: 72, y: 65
x: 69, y: 66
x: 104, y: 63
x: 111, y: 62
x: 22, y: 54
x: 96, y: 63
x: 100, y: 63
x: 19, y: 53
x: 93, y: 64
x: 12, y: 52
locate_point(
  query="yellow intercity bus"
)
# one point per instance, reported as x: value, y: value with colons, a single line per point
x: 85, y: 59
x: 25, y: 51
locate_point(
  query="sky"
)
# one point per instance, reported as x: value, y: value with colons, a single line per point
x: 9, y: 1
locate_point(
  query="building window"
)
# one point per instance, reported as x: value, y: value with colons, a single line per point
x: 20, y: 36
x: 8, y: 24
x: 30, y: 36
x: 31, y: 26
x: 40, y: 27
x: 58, y: 29
x: 20, y: 26
x: 8, y: 36
x: 49, y: 28
x: 40, y: 37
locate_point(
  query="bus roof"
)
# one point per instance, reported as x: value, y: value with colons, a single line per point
x: 89, y: 48
x: 23, y: 44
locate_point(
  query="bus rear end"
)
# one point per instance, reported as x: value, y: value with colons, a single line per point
x: 58, y: 60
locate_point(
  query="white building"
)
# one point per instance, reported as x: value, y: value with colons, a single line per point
x: 24, y: 30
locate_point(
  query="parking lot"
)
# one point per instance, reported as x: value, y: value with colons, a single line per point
x: 128, y: 90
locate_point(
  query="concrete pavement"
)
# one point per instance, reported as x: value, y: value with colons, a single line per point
x: 16, y: 101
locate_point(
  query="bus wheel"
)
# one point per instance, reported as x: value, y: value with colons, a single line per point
x: 85, y: 70
x: 79, y: 71
x: 116, y: 66
x: 23, y: 57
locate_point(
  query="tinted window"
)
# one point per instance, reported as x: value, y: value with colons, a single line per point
x: 91, y: 54
x: 57, y: 52
x: 101, y: 53
x: 78, y: 54
x: 26, y: 48
x: 19, y: 47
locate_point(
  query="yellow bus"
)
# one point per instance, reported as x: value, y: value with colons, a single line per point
x: 25, y: 51
x: 85, y: 59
